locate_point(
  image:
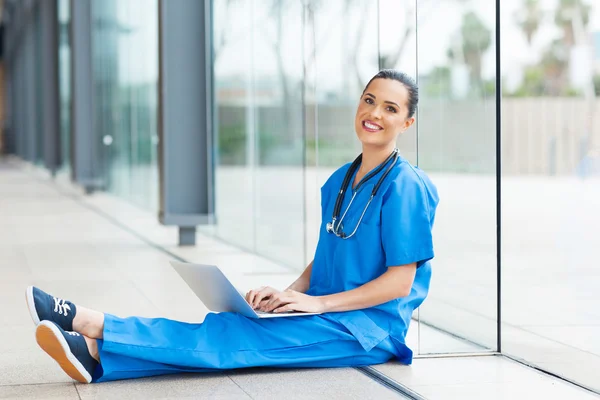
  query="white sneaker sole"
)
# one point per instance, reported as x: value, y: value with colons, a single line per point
x: 31, y: 305
x: 52, y: 341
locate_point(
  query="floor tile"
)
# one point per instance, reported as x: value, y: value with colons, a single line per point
x: 459, y: 370
x: 580, y: 373
x: 30, y: 367
x: 192, y: 386
x: 503, y: 391
x: 17, y: 338
x: 57, y: 391
x: 585, y: 338
x: 423, y: 340
x: 343, y: 383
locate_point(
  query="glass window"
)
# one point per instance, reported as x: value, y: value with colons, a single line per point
x: 259, y: 173
x: 287, y: 85
x: 235, y: 195
x: 276, y: 60
x: 551, y: 181
x: 457, y: 147
x: 125, y: 55
x: 340, y: 58
x: 64, y: 79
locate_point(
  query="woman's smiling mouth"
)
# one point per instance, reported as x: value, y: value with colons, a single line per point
x: 371, y: 127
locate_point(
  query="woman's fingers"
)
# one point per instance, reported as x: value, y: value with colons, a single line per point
x: 263, y: 303
x: 255, y: 297
x: 285, y: 308
x: 251, y: 295
x: 277, y: 300
x: 262, y: 294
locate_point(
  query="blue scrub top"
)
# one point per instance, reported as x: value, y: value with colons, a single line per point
x: 395, y: 230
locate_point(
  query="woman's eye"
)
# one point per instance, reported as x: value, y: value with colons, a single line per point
x: 369, y: 100
x: 392, y: 109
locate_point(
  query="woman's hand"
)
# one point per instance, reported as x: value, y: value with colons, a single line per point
x: 290, y: 300
x: 262, y: 294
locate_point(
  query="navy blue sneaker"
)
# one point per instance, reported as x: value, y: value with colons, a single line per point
x: 68, y: 349
x: 44, y: 307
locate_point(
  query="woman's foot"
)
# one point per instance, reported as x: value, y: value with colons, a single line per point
x: 43, y: 306
x: 69, y: 349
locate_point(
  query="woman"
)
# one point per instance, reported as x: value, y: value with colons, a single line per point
x: 371, y: 270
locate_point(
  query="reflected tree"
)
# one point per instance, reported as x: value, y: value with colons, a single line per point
x: 549, y: 74
x: 573, y: 17
x: 408, y: 18
x: 476, y: 39
x: 529, y: 19
x: 223, y: 32
x: 409, y: 24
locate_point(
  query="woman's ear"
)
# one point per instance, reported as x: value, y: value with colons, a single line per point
x: 408, y: 123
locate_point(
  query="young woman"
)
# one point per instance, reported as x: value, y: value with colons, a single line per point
x: 370, y: 271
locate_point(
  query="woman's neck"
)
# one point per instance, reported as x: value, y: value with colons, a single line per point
x: 372, y: 157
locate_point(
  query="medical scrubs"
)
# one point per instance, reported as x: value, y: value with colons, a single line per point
x: 395, y: 231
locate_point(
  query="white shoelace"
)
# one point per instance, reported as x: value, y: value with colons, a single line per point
x: 60, y: 306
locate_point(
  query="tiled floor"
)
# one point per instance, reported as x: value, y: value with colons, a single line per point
x: 490, y: 378
x: 89, y: 249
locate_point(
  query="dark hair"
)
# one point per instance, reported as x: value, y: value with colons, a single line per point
x: 408, y: 82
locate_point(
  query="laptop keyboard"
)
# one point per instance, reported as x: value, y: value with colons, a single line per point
x: 271, y: 312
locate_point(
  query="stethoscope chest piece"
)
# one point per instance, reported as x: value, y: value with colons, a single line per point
x: 329, y: 227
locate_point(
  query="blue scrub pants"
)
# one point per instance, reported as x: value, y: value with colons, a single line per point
x: 137, y: 347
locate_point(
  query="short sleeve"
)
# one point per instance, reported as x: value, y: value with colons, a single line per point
x: 406, y: 223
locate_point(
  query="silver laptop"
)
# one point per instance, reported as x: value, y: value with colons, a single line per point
x: 218, y: 294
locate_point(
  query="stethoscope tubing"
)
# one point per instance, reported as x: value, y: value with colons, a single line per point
x: 333, y: 227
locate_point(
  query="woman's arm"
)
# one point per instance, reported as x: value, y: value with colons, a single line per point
x: 396, y: 282
x: 303, y: 282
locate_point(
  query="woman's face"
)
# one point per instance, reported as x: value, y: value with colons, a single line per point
x: 382, y: 113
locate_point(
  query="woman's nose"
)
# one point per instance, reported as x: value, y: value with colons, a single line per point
x: 376, y: 114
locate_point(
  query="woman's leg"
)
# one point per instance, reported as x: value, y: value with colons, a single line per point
x: 137, y: 347
x: 88, y: 322
x: 92, y: 346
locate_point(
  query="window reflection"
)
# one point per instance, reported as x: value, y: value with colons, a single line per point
x: 340, y: 58
x: 125, y: 59
x: 64, y: 78
x: 457, y: 147
x: 551, y: 176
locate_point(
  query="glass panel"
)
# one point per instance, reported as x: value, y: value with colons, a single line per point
x: 278, y: 124
x: 64, y: 79
x: 340, y: 58
x: 259, y: 172
x: 236, y: 139
x: 551, y: 186
x: 109, y: 136
x: 138, y: 91
x: 125, y: 44
x: 38, y: 117
x: 456, y: 147
x: 398, y: 50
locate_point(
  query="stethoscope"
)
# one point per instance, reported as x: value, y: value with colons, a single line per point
x: 338, y: 228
